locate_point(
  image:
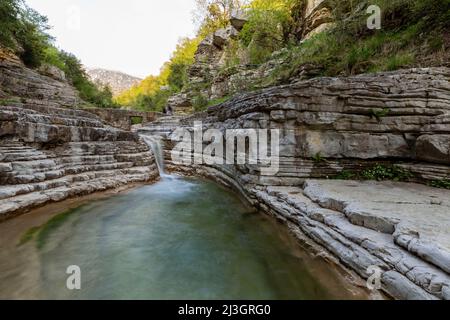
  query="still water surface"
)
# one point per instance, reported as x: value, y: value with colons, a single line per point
x: 177, y: 239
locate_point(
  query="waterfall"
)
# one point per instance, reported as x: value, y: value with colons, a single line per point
x: 155, y: 145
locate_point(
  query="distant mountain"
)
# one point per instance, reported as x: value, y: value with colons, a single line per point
x: 118, y: 81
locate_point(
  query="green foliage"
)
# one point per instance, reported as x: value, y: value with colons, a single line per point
x: 9, y: 22
x: 136, y: 120
x: 400, y: 60
x: 199, y: 102
x: 379, y: 113
x: 23, y: 30
x: 53, y: 57
x: 443, y: 184
x: 10, y: 100
x: 381, y: 172
x: 153, y: 92
x: 156, y: 101
x: 345, y: 175
x: 217, y: 101
x: 413, y: 31
x: 266, y: 29
x: 318, y: 158
x: 178, y: 76
x: 378, y: 172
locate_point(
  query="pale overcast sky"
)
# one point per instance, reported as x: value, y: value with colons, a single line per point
x: 132, y: 36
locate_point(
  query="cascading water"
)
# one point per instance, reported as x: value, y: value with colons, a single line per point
x: 154, y: 142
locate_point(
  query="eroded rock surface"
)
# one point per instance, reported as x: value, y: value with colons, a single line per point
x: 49, y: 150
x: 48, y: 88
x: 330, y: 124
x: 49, y: 154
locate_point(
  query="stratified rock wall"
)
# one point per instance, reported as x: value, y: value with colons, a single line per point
x: 331, y: 124
x: 401, y: 117
x: 49, y: 152
x: 50, y: 89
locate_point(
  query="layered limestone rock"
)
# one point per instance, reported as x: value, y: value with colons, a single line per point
x: 48, y: 88
x: 311, y: 17
x: 322, y: 209
x: 180, y: 104
x: 49, y: 154
x: 327, y: 125
x: 400, y: 117
x: 123, y: 119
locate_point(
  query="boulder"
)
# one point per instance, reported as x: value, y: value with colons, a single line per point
x: 180, y: 104
x: 52, y: 72
x: 222, y: 36
x: 238, y: 19
x: 434, y: 148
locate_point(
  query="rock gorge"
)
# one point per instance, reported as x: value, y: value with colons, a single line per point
x: 51, y: 150
x: 360, y: 223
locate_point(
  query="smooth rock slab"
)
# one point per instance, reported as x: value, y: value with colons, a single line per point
x: 418, y: 216
x: 401, y: 288
x: 434, y: 148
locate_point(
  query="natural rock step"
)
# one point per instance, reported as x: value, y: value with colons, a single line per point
x: 359, y: 247
x: 22, y: 156
x: 14, y: 148
x: 417, y: 216
x: 52, y: 118
x: 8, y: 191
x: 428, y: 171
x: 85, y: 159
x: 65, y: 112
x: 75, y: 186
x: 33, y: 164
x: 21, y: 177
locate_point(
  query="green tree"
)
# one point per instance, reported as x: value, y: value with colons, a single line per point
x: 90, y: 92
x: 212, y: 15
x: 153, y: 92
x: 23, y: 30
x: 269, y: 23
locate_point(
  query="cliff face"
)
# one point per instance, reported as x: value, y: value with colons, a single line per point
x: 400, y: 118
x: 49, y: 153
x: 48, y: 88
x: 117, y: 81
x: 209, y: 76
